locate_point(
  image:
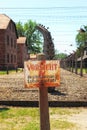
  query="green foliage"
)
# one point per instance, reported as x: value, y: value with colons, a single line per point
x: 34, y: 37
x: 81, y: 39
x: 60, y: 55
x: 20, y: 29
x: 85, y: 27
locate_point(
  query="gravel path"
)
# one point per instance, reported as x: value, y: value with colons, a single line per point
x: 72, y: 88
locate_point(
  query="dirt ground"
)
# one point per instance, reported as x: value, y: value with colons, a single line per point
x: 79, y: 119
x: 72, y: 88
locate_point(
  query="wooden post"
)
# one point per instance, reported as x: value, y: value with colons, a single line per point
x: 43, y: 103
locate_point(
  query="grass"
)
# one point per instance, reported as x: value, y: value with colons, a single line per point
x: 5, y: 72
x: 13, y: 118
x: 2, y: 72
x: 84, y: 70
x: 23, y: 118
x: 62, y: 125
x: 78, y: 70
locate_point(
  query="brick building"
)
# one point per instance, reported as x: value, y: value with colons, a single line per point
x: 22, y: 52
x: 8, y: 45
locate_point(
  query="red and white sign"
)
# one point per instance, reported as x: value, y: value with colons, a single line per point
x: 42, y: 73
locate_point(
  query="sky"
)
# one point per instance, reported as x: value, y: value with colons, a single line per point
x: 63, y: 17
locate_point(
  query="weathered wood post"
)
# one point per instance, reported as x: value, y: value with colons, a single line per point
x: 42, y: 74
x: 43, y: 102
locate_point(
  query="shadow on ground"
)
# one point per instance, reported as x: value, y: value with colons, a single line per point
x: 56, y: 92
x: 2, y: 109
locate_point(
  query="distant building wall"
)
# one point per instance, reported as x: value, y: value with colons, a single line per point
x: 22, y: 52
x: 8, y: 45
x: 2, y: 48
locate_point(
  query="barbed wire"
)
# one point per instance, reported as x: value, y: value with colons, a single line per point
x: 52, y: 7
x: 50, y: 16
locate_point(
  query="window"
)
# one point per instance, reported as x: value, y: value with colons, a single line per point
x: 14, y: 58
x: 11, y: 42
x: 11, y: 58
x: 7, y: 40
x: 7, y: 58
x: 14, y: 43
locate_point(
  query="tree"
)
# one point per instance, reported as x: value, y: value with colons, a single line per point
x: 20, y: 29
x: 34, y: 37
x: 59, y: 55
x: 81, y: 39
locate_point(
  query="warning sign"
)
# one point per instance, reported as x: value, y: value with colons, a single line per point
x: 42, y: 73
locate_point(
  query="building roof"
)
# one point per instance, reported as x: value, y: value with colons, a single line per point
x: 84, y: 57
x: 4, y: 22
x: 21, y: 40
